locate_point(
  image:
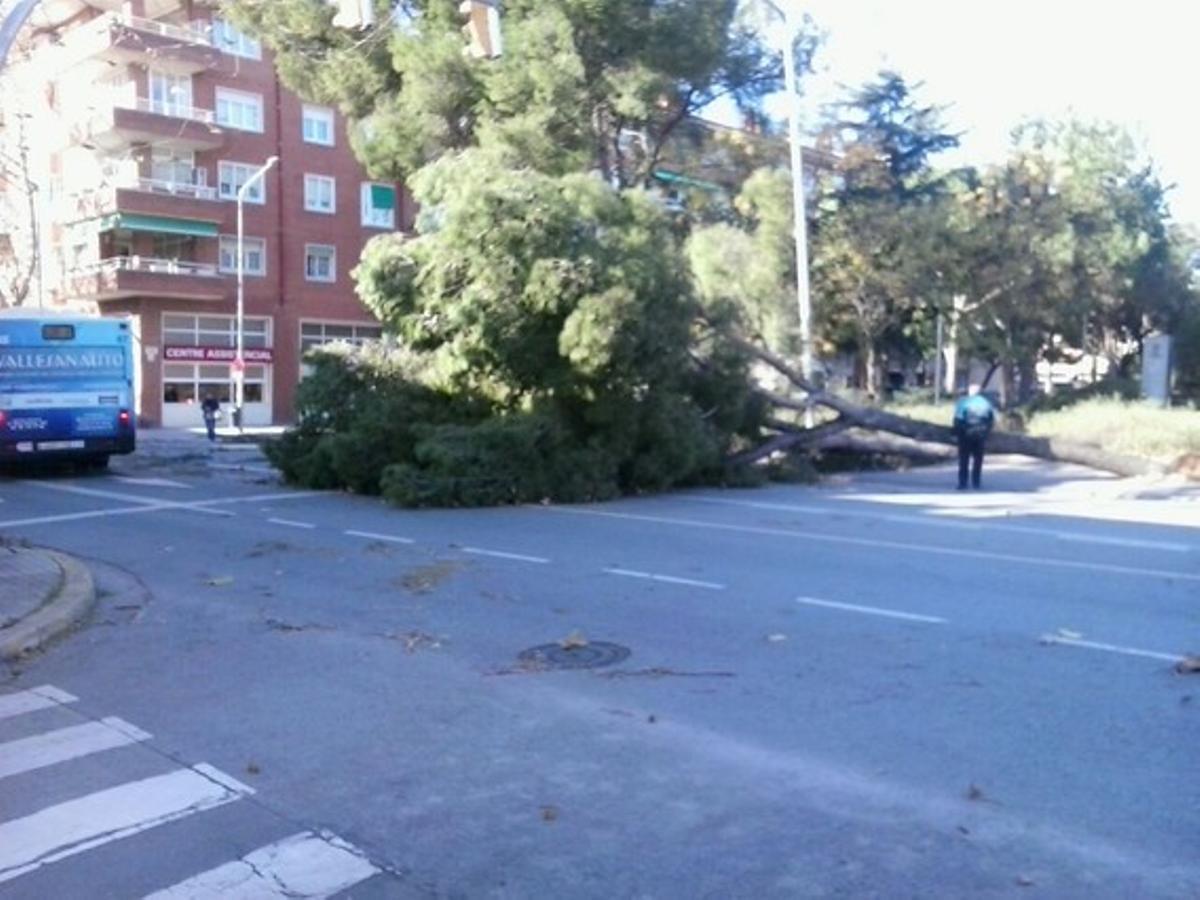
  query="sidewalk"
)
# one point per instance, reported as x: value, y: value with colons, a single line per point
x: 42, y: 594
x: 1017, y: 486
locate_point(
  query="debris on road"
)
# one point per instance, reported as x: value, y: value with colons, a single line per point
x: 252, y: 768
x: 975, y: 793
x: 1024, y: 881
x: 424, y: 579
x: 658, y: 672
x: 1189, y: 665
x: 262, y: 548
x: 573, y: 641
x: 776, y: 638
x: 414, y: 640
x: 219, y: 581
x: 291, y: 627
x: 549, y: 813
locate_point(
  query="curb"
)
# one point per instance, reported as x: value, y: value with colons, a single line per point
x: 75, y: 597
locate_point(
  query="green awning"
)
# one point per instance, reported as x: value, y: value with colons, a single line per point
x: 676, y: 178
x: 158, y: 225
x: 383, y: 197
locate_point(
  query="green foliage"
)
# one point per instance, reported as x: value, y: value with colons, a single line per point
x: 574, y: 76
x: 1187, y: 356
x: 1120, y: 426
x: 747, y: 273
x: 881, y: 224
x: 547, y: 321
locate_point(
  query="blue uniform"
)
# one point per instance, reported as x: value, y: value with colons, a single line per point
x: 973, y: 421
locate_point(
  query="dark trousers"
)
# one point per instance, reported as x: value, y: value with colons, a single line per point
x: 970, y: 455
x: 210, y: 422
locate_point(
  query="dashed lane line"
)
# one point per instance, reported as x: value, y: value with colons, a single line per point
x: 500, y: 554
x: 667, y: 579
x: 1110, y: 648
x: 1079, y: 537
x: 930, y: 549
x: 872, y: 611
x: 373, y: 536
x: 292, y: 523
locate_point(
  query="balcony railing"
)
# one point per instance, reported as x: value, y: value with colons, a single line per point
x: 193, y: 32
x: 96, y: 37
x: 148, y: 264
x: 183, y: 188
x: 166, y: 108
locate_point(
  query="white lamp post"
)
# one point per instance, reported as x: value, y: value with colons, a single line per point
x: 239, y: 363
x: 803, y: 299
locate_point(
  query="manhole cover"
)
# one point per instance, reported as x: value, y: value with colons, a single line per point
x: 593, y: 655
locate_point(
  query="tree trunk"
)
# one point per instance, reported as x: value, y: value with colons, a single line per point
x: 873, y: 382
x: 1000, y: 442
x: 1027, y: 374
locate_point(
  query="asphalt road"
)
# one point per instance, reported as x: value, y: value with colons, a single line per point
x: 876, y: 688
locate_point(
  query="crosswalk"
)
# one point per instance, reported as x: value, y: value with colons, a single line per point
x: 307, y: 864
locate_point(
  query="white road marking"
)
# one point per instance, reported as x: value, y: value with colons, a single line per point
x: 1111, y: 648
x: 303, y: 865
x: 502, y: 555
x: 260, y: 470
x: 43, y: 697
x: 152, y: 482
x: 932, y: 549
x: 290, y: 523
x: 86, y: 822
x: 52, y: 747
x: 669, y: 579
x: 389, y: 538
x: 97, y: 492
x: 1080, y: 537
x: 79, y: 516
x: 872, y: 610
x: 201, y: 506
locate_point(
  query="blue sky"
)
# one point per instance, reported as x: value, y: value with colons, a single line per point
x: 995, y: 64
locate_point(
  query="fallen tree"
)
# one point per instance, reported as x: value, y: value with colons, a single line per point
x: 920, y: 436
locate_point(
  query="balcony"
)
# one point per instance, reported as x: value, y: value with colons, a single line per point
x: 122, y: 277
x: 171, y: 126
x: 183, y: 49
x: 147, y: 197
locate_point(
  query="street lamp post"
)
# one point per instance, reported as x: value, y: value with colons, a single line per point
x: 803, y: 298
x: 239, y: 363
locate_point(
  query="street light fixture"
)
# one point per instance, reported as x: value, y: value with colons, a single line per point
x: 804, y: 300
x: 239, y: 362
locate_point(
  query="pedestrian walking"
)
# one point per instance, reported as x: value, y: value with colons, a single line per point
x: 973, y: 421
x: 211, y: 408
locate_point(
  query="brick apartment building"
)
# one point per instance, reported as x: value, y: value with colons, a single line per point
x: 142, y: 119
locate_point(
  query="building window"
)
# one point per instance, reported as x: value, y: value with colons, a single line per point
x: 320, y: 262
x: 317, y: 125
x: 378, y: 205
x: 232, y: 175
x: 214, y: 331
x: 237, y: 109
x: 318, y: 334
x: 170, y: 94
x: 254, y: 255
x: 319, y: 194
x: 230, y: 39
x: 187, y: 383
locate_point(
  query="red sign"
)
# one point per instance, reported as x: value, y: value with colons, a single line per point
x: 216, y: 354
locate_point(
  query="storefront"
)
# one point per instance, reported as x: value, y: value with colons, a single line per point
x: 198, y: 353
